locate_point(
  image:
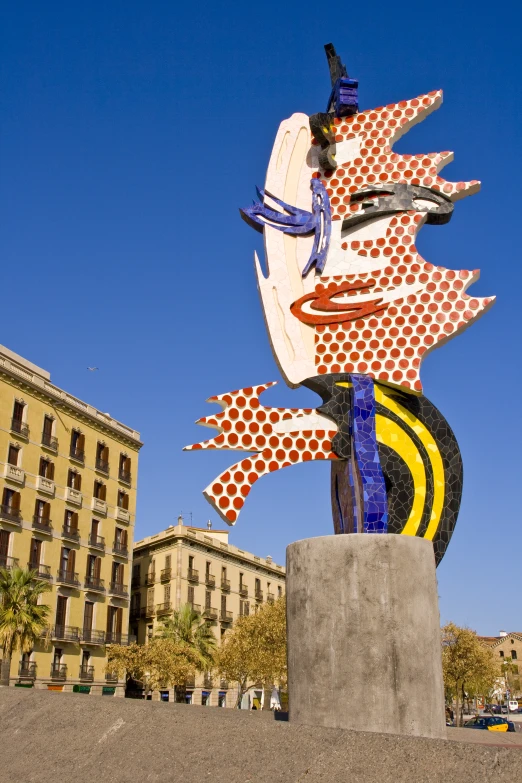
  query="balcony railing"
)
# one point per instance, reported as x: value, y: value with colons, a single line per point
x: 119, y: 638
x: 196, y: 607
x: 207, y: 680
x: 42, y: 571
x: 66, y: 633
x: 225, y: 617
x: 102, y: 465
x: 166, y: 574
x: 259, y: 595
x: 150, y: 578
x: 94, y: 583
x: 87, y: 673
x: 14, y: 473
x: 164, y: 608
x: 111, y: 677
x: 93, y: 637
x: 46, y: 485
x: 68, y: 578
x: 125, y: 476
x: 59, y: 671
x: 20, y: 427
x: 210, y: 580
x: 43, y: 524
x: 223, y: 684
x: 225, y: 584
x: 193, y: 575
x: 243, y: 591
x: 70, y: 532
x: 96, y: 542
x: 11, y: 514
x: 49, y: 442
x: 270, y: 597
x: 120, y: 549
x: 148, y: 611
x: 210, y: 613
x: 27, y: 670
x: 77, y: 454
x: 73, y: 496
x: 8, y: 562
x: 117, y: 588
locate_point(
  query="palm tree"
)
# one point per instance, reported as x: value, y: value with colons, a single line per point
x: 186, y: 625
x: 22, y: 618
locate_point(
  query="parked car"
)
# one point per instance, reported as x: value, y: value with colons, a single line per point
x: 490, y: 723
x: 513, y: 705
x: 496, y: 709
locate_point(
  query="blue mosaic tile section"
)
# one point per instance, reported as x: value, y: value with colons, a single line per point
x: 367, y: 456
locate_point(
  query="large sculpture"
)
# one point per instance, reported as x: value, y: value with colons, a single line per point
x: 352, y: 309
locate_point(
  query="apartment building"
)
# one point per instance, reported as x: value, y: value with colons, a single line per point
x: 198, y: 566
x: 508, y: 646
x: 68, y: 477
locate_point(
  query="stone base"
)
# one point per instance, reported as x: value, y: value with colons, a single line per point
x: 364, y: 634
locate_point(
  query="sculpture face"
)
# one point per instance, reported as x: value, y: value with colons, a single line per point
x: 351, y: 310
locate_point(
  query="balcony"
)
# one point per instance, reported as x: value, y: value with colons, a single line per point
x: 225, y: 584
x: 78, y: 455
x: 99, y: 506
x: 125, y: 476
x: 10, y: 514
x: 94, y: 584
x: 92, y: 637
x: 59, y: 671
x: 165, y: 608
x: 45, y: 485
x: 27, y: 670
x: 73, y: 496
x: 87, y: 673
x: 65, y: 633
x: 150, y: 578
x: 20, y: 428
x: 42, y: 571
x: 223, y: 685
x: 259, y: 594
x: 270, y: 597
x: 122, y: 514
x: 207, y: 680
x: 166, y: 574
x: 96, y: 542
x: 209, y: 613
x: 119, y: 638
x: 102, y: 466
x: 111, y: 677
x: 148, y: 611
x: 120, y: 549
x: 68, y: 578
x: 43, y: 524
x: 243, y: 591
x: 116, y: 588
x: 14, y: 473
x: 49, y: 442
x: 193, y: 575
x: 70, y: 532
x: 8, y: 562
x: 225, y: 617
x: 196, y: 608
x: 190, y: 682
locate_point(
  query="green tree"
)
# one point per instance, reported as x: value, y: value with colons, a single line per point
x: 22, y: 618
x: 254, y: 651
x: 162, y: 663
x: 186, y: 626
x: 510, y: 674
x: 468, y: 666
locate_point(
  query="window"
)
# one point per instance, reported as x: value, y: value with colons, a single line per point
x: 166, y: 594
x: 88, y: 613
x: 124, y: 472
x: 223, y: 604
x: 120, y: 540
x: 74, y: 479
x: 114, y: 623
x: 11, y: 502
x: 70, y: 521
x: 42, y: 510
x: 223, y: 573
x: 77, y: 445
x: 17, y: 422
x: 102, y: 457
x: 46, y: 469
x: 191, y: 562
x: 279, y: 591
x: 208, y: 598
x: 117, y: 573
x: 35, y: 553
x: 190, y: 595
x: 244, y: 608
x: 100, y: 490
x: 513, y: 655
x: 136, y: 571
x: 61, y: 613
x: 150, y: 597
x: 168, y: 561
x: 93, y: 566
x: 12, y: 454
x: 4, y: 547
x: 501, y: 653
x: 47, y: 431
x: 123, y: 500
x: 67, y: 560
x: 207, y: 568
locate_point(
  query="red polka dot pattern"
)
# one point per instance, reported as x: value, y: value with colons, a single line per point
x: 246, y: 425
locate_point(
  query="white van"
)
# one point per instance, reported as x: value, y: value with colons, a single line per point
x: 513, y: 705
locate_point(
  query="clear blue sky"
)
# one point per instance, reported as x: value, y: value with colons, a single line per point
x: 131, y: 132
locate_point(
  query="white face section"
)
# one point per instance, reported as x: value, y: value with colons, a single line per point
x: 348, y: 262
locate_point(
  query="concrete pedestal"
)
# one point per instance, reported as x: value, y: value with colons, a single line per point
x: 364, y: 634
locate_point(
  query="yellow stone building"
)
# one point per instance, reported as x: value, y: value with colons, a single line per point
x: 198, y: 566
x: 68, y: 501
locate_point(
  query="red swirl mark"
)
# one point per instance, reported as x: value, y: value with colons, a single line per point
x: 336, y: 312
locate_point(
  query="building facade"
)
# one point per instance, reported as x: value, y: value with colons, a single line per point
x: 508, y: 646
x: 68, y: 502
x: 198, y: 566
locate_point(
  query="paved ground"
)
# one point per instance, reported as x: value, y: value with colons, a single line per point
x: 59, y: 736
